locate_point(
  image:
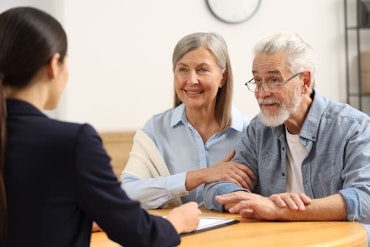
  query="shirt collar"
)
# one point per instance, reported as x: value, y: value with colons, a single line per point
x: 312, y: 121
x: 179, y: 117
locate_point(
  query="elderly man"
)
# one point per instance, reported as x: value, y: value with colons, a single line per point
x: 300, y: 144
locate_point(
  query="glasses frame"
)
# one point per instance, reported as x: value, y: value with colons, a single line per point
x: 260, y: 85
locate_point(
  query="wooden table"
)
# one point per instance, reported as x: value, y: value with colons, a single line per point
x: 260, y: 233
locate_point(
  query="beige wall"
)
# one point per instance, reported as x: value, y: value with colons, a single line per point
x: 120, y: 52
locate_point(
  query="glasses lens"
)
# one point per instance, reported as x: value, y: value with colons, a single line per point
x: 251, y: 86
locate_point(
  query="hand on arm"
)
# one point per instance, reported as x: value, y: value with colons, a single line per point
x: 185, y: 218
x: 250, y: 205
x: 226, y: 170
x: 294, y: 201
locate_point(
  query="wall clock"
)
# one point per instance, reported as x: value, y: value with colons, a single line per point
x: 233, y: 11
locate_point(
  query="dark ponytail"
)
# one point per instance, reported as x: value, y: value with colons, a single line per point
x: 3, y: 207
x: 28, y: 39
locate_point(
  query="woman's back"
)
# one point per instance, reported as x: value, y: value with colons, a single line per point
x: 50, y: 181
x: 56, y: 177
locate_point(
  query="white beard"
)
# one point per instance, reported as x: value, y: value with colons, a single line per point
x: 284, y: 111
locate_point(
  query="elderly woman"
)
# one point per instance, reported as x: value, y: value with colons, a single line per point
x: 181, y: 149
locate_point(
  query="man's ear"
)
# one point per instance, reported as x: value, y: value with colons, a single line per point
x: 307, y: 81
x: 53, y: 66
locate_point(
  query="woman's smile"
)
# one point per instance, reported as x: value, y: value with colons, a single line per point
x: 193, y: 92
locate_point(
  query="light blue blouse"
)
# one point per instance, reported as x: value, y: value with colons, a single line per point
x: 182, y: 149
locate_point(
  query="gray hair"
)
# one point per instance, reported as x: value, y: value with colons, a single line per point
x: 211, y: 41
x: 216, y: 44
x: 300, y: 55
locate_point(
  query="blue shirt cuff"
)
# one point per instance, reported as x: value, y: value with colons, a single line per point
x: 215, y: 189
x: 351, y: 199
x: 176, y: 184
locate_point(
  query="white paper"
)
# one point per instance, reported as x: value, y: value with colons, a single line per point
x: 210, y: 222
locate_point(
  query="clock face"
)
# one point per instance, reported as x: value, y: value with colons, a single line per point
x: 233, y: 11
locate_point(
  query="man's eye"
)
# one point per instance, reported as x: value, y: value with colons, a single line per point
x: 274, y: 80
x: 257, y: 80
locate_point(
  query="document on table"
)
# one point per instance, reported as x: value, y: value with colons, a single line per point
x: 209, y: 223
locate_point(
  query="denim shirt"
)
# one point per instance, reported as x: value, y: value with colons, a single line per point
x: 337, y: 138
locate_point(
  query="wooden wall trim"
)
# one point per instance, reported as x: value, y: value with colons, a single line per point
x: 118, y: 145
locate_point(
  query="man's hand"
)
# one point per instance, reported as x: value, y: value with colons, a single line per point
x: 294, y: 201
x: 250, y: 205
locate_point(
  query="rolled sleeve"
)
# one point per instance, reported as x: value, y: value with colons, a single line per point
x: 219, y: 188
x: 356, y: 204
x: 351, y: 198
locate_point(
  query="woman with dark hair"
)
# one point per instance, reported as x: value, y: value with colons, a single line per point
x: 55, y: 177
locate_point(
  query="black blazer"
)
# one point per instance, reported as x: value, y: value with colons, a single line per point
x: 59, y: 179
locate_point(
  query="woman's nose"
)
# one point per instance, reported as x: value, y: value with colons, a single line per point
x: 193, y: 79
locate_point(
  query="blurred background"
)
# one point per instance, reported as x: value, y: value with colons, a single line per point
x: 120, y: 52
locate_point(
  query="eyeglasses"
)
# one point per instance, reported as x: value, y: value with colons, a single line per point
x: 270, y: 86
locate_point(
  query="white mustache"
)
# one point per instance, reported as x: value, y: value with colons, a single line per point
x: 268, y: 101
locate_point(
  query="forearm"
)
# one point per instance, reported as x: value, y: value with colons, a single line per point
x: 154, y: 192
x: 329, y: 208
x: 194, y: 178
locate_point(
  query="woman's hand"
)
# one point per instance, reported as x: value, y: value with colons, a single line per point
x: 225, y: 170
x: 96, y: 227
x: 185, y: 218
